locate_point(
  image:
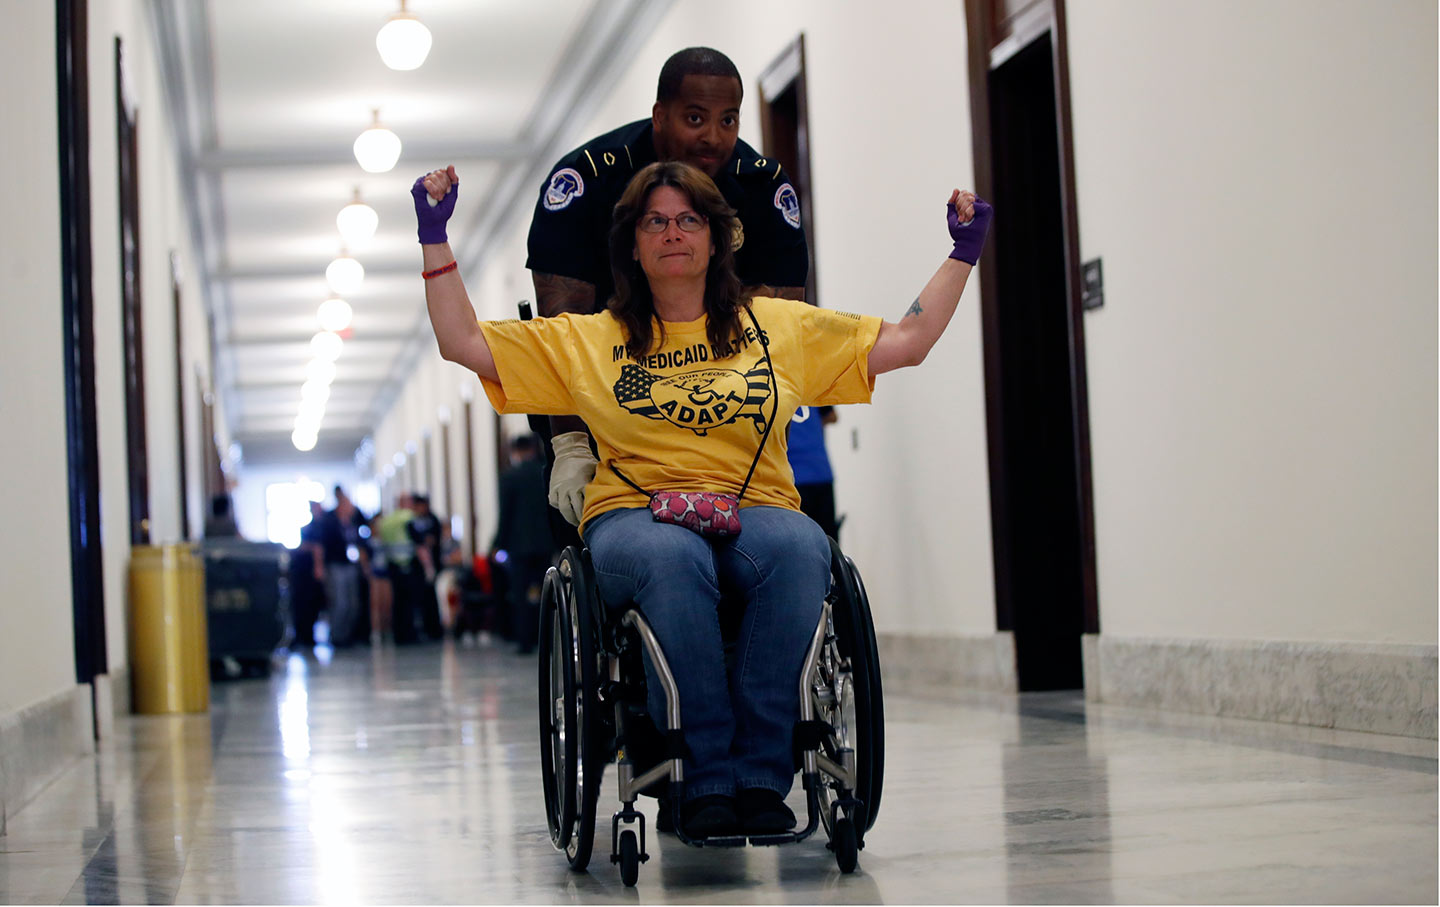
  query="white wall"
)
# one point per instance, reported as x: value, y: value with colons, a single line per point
x: 37, y: 658
x: 881, y: 176
x: 163, y: 228
x: 36, y: 623
x: 1262, y: 377
x: 1262, y: 389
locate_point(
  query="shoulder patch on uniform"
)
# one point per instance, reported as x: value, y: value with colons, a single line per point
x: 737, y: 239
x: 565, y: 186
x: 788, y: 204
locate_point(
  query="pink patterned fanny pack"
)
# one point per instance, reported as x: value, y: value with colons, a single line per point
x: 706, y: 512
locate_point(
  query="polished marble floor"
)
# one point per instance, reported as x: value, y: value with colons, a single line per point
x: 411, y: 776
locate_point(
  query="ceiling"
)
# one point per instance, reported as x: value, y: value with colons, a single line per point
x: 268, y: 97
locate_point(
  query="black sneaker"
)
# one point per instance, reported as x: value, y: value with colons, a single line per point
x: 763, y: 812
x: 665, y: 818
x: 710, y: 816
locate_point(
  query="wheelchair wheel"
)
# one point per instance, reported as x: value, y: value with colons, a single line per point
x: 855, y: 636
x: 558, y: 704
x: 576, y: 579
x: 835, y: 705
x: 846, y: 845
x: 629, y: 859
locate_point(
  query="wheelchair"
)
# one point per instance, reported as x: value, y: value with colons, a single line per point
x: 592, y: 713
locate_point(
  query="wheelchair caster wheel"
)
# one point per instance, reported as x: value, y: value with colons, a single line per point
x: 629, y: 859
x: 845, y: 844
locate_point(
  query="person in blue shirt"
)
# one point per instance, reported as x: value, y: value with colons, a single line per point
x: 813, y: 477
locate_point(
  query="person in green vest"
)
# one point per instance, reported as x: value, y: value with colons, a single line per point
x: 399, y: 554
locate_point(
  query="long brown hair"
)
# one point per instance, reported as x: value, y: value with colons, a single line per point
x: 632, y: 303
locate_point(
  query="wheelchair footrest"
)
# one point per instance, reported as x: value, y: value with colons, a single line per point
x: 740, y: 840
x: 719, y: 841
x: 788, y: 837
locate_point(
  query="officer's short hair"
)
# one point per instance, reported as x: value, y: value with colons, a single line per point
x: 694, y: 61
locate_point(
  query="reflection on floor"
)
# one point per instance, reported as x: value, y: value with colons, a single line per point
x: 411, y: 776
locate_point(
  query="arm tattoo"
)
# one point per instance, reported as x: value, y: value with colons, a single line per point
x: 555, y: 295
x: 914, y: 308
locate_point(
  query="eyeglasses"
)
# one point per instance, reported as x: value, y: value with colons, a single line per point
x: 656, y: 223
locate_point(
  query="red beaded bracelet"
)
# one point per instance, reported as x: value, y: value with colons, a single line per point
x: 438, y: 271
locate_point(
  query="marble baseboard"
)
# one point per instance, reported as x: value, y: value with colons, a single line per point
x: 38, y: 742
x: 931, y: 665
x: 120, y: 690
x: 1376, y: 687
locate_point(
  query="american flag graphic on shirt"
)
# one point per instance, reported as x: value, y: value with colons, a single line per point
x: 699, y: 399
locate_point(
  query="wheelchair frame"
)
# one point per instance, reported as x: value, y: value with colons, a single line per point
x: 584, y: 656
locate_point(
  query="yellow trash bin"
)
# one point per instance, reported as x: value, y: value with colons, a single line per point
x: 169, y: 652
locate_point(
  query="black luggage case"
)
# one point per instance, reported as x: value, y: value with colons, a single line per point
x: 246, y: 604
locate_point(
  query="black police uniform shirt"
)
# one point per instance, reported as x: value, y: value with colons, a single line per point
x: 425, y: 530
x: 570, y: 231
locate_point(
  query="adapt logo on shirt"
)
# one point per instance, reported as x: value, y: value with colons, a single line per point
x: 697, y: 400
x: 565, y: 186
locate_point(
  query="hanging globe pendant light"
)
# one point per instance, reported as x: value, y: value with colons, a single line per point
x: 403, y: 41
x: 357, y: 221
x: 334, y: 314
x: 326, y: 345
x: 345, y: 274
x: 377, y: 149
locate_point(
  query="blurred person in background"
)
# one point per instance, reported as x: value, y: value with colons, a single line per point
x: 377, y: 575
x: 306, y: 592
x: 448, y: 580
x: 394, y: 541
x: 220, y: 522
x: 424, y: 531
x: 525, y: 538
x: 338, y: 533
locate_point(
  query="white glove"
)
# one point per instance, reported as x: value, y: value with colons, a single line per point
x: 574, y: 468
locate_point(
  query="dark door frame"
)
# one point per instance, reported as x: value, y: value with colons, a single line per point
x: 82, y: 445
x: 213, y: 481
x: 427, y: 466
x: 502, y: 452
x: 787, y: 73
x: 446, y: 487
x: 471, y: 507
x: 182, y: 464
x: 132, y: 318
x: 992, y: 40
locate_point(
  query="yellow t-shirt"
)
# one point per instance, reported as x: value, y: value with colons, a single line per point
x: 686, y: 417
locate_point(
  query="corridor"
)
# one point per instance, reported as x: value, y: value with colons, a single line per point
x: 411, y: 776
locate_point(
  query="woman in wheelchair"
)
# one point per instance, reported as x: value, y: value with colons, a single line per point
x: 680, y: 382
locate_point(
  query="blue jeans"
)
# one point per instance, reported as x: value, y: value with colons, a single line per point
x: 737, y: 722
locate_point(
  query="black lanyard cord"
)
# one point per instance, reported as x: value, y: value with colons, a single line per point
x: 769, y: 423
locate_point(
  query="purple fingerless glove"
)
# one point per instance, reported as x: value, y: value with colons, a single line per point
x: 432, y: 218
x: 970, y: 237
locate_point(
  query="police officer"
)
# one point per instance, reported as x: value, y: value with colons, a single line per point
x: 696, y: 119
